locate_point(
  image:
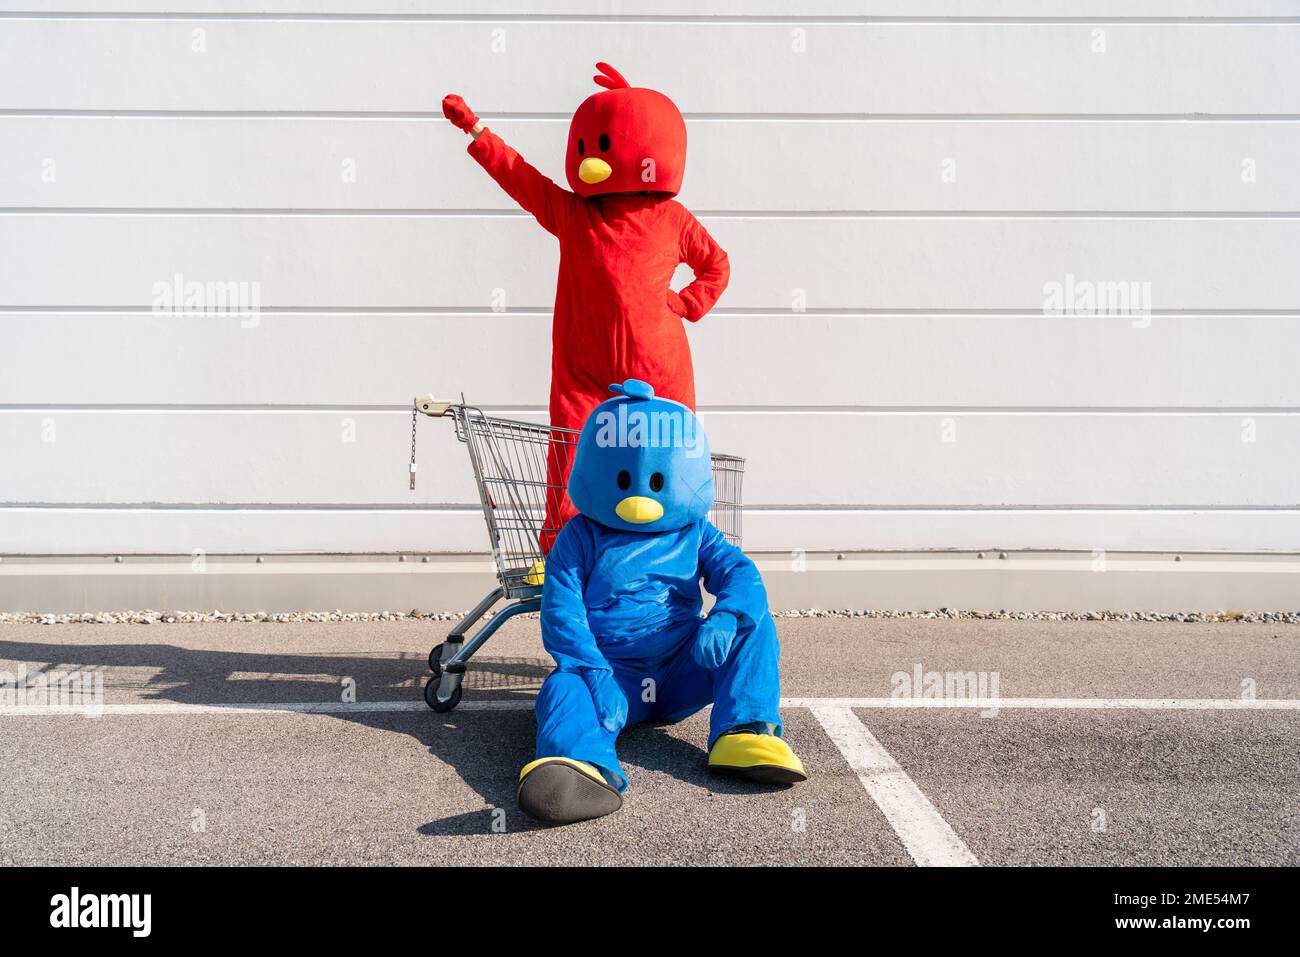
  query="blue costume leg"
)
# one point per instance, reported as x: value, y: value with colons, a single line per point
x: 567, y: 725
x: 746, y: 690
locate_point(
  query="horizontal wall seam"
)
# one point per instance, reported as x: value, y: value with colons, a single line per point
x: 740, y: 312
x: 718, y: 116
x: 636, y: 18
x: 342, y: 212
x: 472, y: 508
x: 128, y: 408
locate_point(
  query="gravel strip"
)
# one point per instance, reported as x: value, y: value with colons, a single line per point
x: 150, y: 617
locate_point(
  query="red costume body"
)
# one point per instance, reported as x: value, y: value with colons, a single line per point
x: 617, y: 257
x: 621, y: 237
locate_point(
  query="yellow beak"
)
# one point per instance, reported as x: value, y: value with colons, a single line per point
x: 592, y: 171
x: 639, y: 510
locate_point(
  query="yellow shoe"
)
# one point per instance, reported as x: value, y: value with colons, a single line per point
x: 764, y: 758
x: 562, y: 791
x: 536, y: 575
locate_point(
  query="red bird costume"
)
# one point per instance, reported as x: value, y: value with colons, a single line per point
x: 622, y: 236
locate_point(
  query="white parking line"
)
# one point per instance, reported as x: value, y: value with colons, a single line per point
x: 1069, y: 704
x: 523, y: 704
x: 254, y: 708
x: 922, y: 829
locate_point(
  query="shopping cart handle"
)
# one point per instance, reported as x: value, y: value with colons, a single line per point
x: 431, y: 406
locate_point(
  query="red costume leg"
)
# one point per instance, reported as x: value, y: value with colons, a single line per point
x: 571, y: 403
x: 559, y: 462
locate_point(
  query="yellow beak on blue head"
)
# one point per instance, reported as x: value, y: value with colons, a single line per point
x: 639, y: 510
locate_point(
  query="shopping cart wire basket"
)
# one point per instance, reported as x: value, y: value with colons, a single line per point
x: 514, y: 464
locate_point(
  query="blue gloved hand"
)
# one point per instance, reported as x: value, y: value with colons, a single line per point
x: 611, y: 703
x: 714, y: 638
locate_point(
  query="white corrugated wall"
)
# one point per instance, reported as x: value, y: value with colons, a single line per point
x: 898, y: 185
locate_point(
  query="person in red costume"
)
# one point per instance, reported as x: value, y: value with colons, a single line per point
x: 622, y: 236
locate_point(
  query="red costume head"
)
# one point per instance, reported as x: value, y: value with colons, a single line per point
x: 625, y: 140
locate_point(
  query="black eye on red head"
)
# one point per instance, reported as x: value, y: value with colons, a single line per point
x: 603, y: 143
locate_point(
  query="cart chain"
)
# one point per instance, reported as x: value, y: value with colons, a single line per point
x: 415, y: 412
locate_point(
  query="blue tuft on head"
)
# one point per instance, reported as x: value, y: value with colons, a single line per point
x: 642, y: 463
x: 633, y: 389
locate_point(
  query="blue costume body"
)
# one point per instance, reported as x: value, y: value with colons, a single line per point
x: 629, y: 602
x: 621, y: 602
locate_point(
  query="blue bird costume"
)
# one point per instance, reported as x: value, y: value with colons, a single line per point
x: 621, y: 615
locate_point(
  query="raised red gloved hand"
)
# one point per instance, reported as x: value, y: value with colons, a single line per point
x: 456, y: 110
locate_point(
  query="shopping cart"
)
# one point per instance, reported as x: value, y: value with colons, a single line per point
x: 510, y: 460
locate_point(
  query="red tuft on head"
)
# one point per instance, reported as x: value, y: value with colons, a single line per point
x: 612, y: 79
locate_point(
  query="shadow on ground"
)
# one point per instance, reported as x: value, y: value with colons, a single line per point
x: 484, y: 748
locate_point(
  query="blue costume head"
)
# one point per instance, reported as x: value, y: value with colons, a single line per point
x: 642, y: 463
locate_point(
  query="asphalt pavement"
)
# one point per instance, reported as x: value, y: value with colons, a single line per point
x: 1041, y: 742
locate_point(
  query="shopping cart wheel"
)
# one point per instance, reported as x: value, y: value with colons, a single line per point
x: 435, y: 660
x: 440, y: 704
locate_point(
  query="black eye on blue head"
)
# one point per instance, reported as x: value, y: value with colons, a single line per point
x: 625, y: 481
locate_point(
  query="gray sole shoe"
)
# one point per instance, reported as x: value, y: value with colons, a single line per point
x: 762, y: 774
x: 555, y: 792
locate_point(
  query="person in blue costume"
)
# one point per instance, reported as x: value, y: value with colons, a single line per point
x: 621, y: 616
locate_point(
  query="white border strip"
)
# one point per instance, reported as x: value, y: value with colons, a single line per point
x: 525, y: 704
x: 922, y: 829
x: 1060, y: 704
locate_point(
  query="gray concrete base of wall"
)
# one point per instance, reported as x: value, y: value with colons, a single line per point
x: 1013, y: 581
